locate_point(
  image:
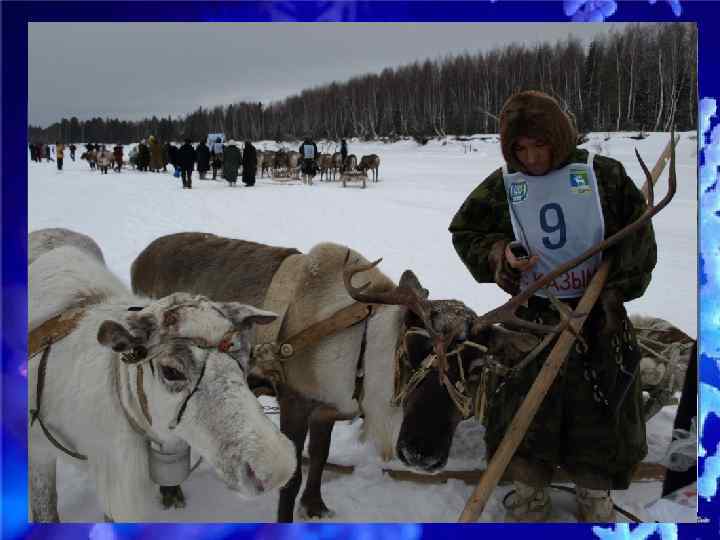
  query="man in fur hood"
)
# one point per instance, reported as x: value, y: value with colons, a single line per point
x: 554, y: 200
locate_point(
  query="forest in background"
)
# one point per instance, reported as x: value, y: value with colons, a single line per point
x: 643, y: 78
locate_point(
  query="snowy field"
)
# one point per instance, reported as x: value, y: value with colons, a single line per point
x: 404, y: 219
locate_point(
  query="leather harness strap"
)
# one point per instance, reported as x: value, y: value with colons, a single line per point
x: 53, y: 330
x: 359, y: 391
x: 40, y: 340
x: 142, y: 397
x: 35, y: 413
x: 270, y: 357
x: 340, y: 320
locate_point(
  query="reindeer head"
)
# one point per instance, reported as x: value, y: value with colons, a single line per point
x: 440, y: 341
x: 186, y: 359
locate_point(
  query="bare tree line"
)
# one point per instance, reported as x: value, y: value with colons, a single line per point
x: 643, y: 78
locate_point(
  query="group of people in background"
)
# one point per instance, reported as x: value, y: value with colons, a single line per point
x: 226, y: 159
x: 40, y: 151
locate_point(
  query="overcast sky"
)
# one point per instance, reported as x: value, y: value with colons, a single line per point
x: 136, y: 70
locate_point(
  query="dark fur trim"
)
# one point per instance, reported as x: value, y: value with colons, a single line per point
x: 537, y: 115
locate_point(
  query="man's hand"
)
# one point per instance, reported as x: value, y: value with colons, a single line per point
x: 521, y: 265
x: 506, y: 267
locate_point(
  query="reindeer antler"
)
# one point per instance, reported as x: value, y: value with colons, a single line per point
x: 399, y: 296
x: 402, y: 296
x: 506, y: 313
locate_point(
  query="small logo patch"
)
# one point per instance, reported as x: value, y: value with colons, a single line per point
x: 518, y: 192
x: 579, y: 181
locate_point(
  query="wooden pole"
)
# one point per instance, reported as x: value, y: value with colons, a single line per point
x: 645, y: 472
x: 525, y: 414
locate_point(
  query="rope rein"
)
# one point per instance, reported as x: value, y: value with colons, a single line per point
x: 467, y: 402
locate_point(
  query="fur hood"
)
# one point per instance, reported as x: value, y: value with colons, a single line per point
x: 538, y: 115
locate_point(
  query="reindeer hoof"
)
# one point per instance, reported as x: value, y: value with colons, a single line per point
x: 172, y: 497
x: 314, y: 510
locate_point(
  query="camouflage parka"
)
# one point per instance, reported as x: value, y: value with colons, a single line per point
x: 484, y: 218
x: 591, y: 420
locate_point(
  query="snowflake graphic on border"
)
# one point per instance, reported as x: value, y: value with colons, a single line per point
x: 599, y: 10
x: 622, y: 531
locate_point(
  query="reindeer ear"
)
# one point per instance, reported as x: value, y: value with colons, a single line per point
x: 245, y: 315
x: 115, y: 336
x: 510, y: 344
x: 409, y: 279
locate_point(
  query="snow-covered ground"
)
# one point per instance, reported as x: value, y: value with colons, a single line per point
x: 404, y: 219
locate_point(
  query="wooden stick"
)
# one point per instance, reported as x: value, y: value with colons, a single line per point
x: 525, y: 414
x: 660, y: 165
x: 645, y: 472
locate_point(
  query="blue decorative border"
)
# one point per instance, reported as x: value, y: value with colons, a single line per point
x: 13, y: 213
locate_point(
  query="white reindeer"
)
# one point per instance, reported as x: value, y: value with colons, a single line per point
x: 127, y: 387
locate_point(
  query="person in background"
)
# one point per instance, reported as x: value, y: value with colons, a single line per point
x: 73, y: 149
x: 203, y: 159
x: 118, y: 156
x: 143, y: 158
x: 59, y: 155
x: 186, y: 157
x: 173, y: 156
x: 343, y: 154
x: 309, y: 154
x: 166, y: 155
x: 553, y: 201
x: 216, y: 155
x: 249, y: 163
x: 156, y: 162
x: 232, y: 159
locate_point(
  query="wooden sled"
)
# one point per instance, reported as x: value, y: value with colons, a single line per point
x: 353, y: 176
x: 284, y: 175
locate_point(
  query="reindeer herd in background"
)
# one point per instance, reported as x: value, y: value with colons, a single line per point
x: 282, y: 164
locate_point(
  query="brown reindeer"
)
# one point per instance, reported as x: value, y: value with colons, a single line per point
x: 336, y: 164
x: 371, y: 162
x: 281, y: 164
x: 325, y: 163
x: 350, y: 163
